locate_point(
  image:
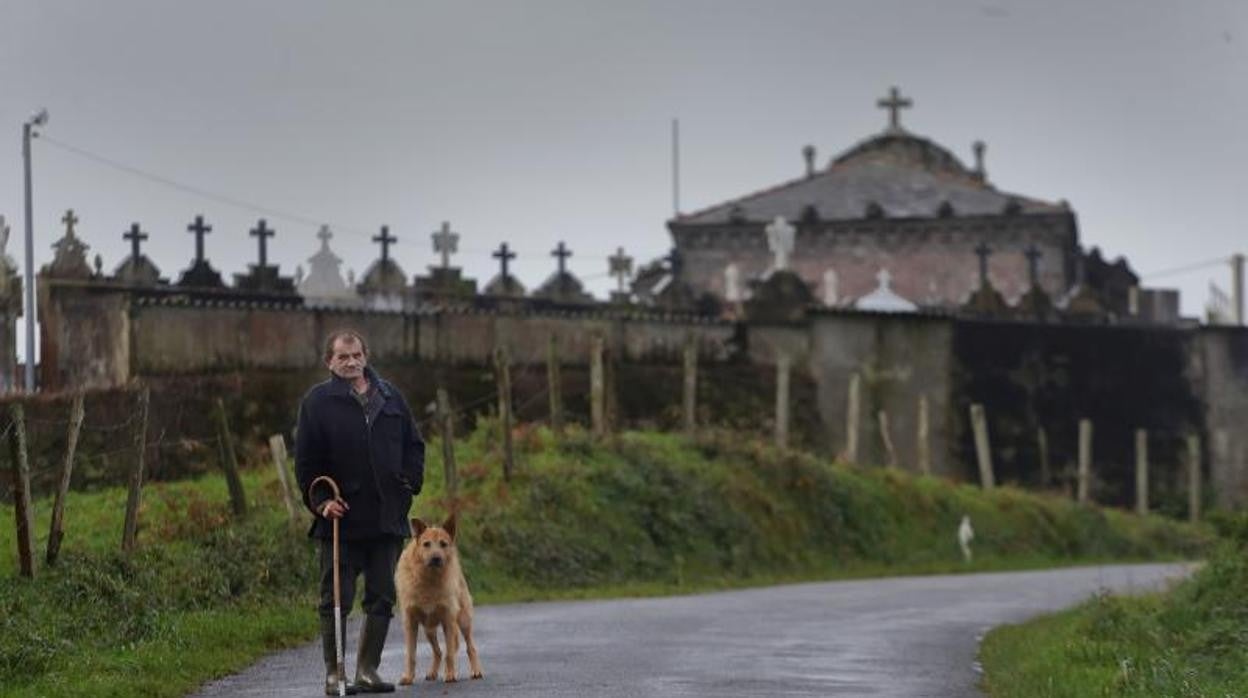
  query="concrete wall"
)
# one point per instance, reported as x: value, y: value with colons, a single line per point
x: 898, y: 358
x: 1222, y: 381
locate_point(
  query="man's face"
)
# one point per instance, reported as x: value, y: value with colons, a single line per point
x: 348, y: 359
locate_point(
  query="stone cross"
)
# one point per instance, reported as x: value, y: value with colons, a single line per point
x: 982, y: 250
x: 504, y: 255
x: 732, y: 283
x: 894, y: 104
x: 1033, y: 264
x: 135, y: 236
x: 780, y: 241
x: 262, y: 231
x: 562, y: 252
x: 324, y: 235
x: 385, y: 238
x: 446, y: 243
x: 299, y: 275
x: 621, y: 266
x: 199, y: 229
x: 69, y: 219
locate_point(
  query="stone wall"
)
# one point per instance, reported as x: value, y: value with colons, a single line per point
x: 263, y: 353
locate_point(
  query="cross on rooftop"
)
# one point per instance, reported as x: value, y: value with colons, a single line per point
x: 562, y: 252
x: 385, y: 238
x: 504, y: 255
x: 135, y: 236
x: 445, y: 243
x: 621, y: 266
x: 199, y: 228
x: 324, y: 236
x: 983, y: 250
x: 262, y: 231
x: 1033, y: 261
x: 69, y: 219
x: 894, y: 104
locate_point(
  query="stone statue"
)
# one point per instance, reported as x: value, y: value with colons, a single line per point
x: 732, y: 284
x: 965, y: 535
x: 831, y: 295
x: 780, y: 237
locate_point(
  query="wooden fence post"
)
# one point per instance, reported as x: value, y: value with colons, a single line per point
x: 782, y: 400
x: 502, y: 364
x: 1193, y: 478
x: 924, y: 436
x: 22, y: 509
x: 56, y: 533
x: 447, y: 422
x: 277, y: 446
x: 691, y: 386
x: 1085, y: 461
x: 1042, y: 440
x: 851, y: 418
x: 887, y: 438
x: 597, y: 389
x: 131, y: 525
x: 1141, y: 472
x: 229, y: 463
x: 979, y: 423
x: 555, y: 387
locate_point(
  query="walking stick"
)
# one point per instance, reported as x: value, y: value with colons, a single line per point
x: 338, y: 649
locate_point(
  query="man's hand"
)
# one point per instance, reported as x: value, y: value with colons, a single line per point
x: 334, y: 509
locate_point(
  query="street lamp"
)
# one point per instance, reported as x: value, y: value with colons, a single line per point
x: 28, y: 132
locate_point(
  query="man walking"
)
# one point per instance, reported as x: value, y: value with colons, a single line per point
x: 357, y: 429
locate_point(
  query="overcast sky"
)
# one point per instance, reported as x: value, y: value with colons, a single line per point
x: 534, y: 122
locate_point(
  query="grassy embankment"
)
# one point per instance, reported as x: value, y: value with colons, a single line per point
x: 646, y: 514
x: 1191, y: 641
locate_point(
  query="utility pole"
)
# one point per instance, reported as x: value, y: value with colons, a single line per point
x: 28, y: 132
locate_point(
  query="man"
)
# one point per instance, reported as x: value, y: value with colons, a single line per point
x: 357, y: 429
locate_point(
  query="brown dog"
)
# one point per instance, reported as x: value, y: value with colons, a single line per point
x: 433, y: 593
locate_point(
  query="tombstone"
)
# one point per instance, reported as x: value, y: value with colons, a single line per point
x: 620, y: 266
x: 504, y: 284
x: 200, y: 274
x: 323, y: 282
x: 985, y: 301
x: 562, y: 286
x: 780, y: 238
x: 137, y: 269
x: 1035, y: 304
x: 385, y: 283
x: 884, y: 299
x: 733, y: 292
x: 70, y: 261
x: 263, y: 277
x: 444, y: 281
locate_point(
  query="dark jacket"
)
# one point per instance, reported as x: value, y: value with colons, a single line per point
x: 378, y: 461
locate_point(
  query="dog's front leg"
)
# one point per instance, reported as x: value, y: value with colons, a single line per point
x: 410, y: 627
x: 431, y: 634
x: 451, y: 633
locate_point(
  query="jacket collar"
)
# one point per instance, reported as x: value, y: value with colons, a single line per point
x: 342, y: 386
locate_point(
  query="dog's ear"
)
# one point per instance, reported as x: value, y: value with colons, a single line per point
x: 449, y: 524
x: 418, y: 527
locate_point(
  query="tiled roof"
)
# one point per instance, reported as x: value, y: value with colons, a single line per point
x: 904, y: 175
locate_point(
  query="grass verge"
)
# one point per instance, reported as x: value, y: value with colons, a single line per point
x: 642, y: 514
x: 1190, y: 641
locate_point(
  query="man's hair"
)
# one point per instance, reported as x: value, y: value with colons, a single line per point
x: 341, y: 334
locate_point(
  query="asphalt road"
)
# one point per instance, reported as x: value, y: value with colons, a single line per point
x: 911, y: 637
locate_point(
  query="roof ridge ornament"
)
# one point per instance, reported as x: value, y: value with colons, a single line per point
x: 894, y: 103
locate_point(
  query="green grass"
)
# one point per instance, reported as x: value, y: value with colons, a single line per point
x: 1191, y: 641
x: 643, y: 514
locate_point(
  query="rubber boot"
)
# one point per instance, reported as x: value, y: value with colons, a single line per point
x: 372, y: 640
x: 330, y: 653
